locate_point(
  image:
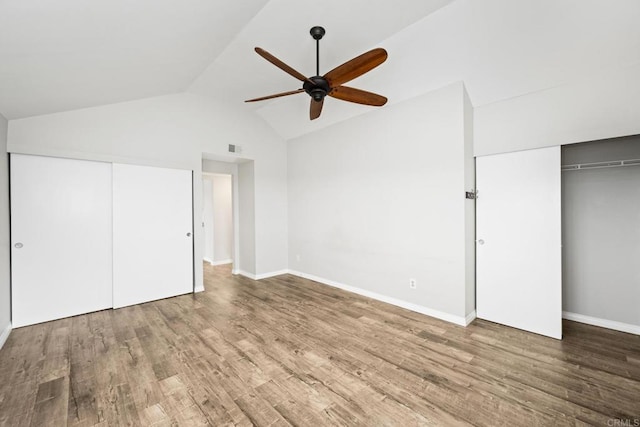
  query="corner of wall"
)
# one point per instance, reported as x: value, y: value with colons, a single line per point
x: 4, y: 334
x: 5, y: 244
x: 470, y: 208
x: 247, y: 218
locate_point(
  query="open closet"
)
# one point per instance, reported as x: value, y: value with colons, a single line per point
x: 558, y: 236
x: 601, y: 233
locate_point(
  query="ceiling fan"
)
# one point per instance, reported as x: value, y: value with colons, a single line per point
x: 331, y: 83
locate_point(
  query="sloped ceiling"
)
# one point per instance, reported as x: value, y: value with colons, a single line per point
x: 70, y: 54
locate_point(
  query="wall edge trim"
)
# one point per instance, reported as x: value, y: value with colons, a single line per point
x: 245, y: 274
x: 260, y: 276
x: 470, y: 318
x: 5, y: 334
x: 458, y: 320
x: 603, y: 323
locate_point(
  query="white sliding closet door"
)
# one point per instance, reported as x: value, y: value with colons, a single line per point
x: 60, y: 238
x: 152, y: 241
x: 518, y: 252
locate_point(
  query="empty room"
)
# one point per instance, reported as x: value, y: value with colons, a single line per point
x: 285, y: 212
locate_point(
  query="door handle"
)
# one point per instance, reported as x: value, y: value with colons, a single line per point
x: 18, y: 245
x: 188, y: 234
x: 480, y: 241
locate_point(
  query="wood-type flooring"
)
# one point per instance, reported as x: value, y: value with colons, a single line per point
x: 289, y: 351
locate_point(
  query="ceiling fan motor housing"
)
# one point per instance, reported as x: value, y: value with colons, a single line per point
x: 318, y: 90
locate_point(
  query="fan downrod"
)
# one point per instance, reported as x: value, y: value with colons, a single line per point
x: 317, y: 33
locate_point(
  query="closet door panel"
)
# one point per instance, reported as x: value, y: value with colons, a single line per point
x: 152, y: 227
x: 60, y: 238
x: 518, y: 255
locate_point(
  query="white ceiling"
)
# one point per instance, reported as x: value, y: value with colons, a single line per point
x: 69, y: 54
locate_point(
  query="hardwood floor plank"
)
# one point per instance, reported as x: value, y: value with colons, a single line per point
x: 289, y: 351
x: 51, y: 403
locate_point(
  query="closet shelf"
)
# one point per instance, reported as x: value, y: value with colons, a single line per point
x: 600, y: 165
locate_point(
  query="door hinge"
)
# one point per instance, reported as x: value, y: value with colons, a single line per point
x: 473, y: 194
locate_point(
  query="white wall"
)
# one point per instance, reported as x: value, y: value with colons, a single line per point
x: 227, y: 166
x: 247, y: 218
x: 207, y: 217
x: 598, y: 107
x: 174, y: 131
x: 469, y: 208
x: 5, y: 243
x: 379, y: 199
x: 222, y: 218
x: 601, y: 235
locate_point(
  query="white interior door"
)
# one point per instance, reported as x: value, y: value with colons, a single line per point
x: 518, y: 253
x: 60, y: 238
x: 152, y: 241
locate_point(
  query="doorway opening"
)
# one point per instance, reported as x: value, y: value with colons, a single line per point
x: 226, y: 233
x: 217, y: 218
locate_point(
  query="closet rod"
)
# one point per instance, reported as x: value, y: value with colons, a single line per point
x: 600, y: 165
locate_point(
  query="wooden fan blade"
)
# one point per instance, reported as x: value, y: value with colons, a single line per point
x: 277, y: 95
x: 284, y: 67
x: 356, y: 67
x: 358, y: 96
x: 315, y: 109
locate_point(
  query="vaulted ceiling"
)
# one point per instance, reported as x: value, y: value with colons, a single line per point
x: 69, y: 54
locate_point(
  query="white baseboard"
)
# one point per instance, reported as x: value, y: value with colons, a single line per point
x: 222, y: 262
x: 470, y: 318
x: 458, y: 320
x: 260, y: 276
x: 603, y: 323
x: 5, y: 334
x: 272, y: 274
x: 245, y: 274
x: 199, y: 289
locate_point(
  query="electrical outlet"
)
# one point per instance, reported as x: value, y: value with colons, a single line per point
x: 412, y: 283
